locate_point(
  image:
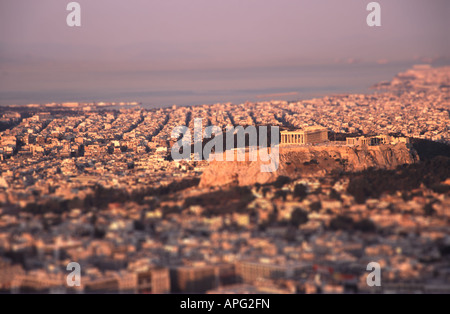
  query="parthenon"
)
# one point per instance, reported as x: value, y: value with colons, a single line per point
x: 316, y: 134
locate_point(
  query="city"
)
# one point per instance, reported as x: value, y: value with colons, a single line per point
x: 95, y: 184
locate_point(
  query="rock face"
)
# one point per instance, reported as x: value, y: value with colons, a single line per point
x: 309, y: 161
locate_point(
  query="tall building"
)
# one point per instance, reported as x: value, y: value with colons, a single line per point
x: 193, y: 279
x: 251, y: 271
x: 155, y: 280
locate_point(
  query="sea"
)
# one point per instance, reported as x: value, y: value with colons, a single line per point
x: 197, y: 87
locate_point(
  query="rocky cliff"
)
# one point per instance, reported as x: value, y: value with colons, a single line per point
x: 309, y: 161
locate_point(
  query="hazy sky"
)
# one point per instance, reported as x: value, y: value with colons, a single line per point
x: 133, y: 40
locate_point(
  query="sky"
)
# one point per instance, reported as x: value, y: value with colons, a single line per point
x: 171, y: 47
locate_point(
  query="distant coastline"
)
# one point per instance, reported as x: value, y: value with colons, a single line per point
x: 286, y: 83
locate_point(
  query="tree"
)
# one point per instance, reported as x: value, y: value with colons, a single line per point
x: 99, y: 233
x: 316, y: 206
x: 299, y: 217
x: 281, y: 194
x: 281, y: 181
x: 300, y: 191
x: 335, y: 195
x: 429, y: 210
x: 365, y: 225
x: 343, y: 163
x: 360, y: 188
x: 342, y: 222
x: 138, y: 225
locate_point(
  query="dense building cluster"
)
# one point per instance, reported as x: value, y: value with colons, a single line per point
x: 97, y: 186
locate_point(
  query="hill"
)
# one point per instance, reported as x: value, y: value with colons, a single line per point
x: 309, y: 161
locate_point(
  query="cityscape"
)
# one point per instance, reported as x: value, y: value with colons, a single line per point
x: 224, y: 155
x: 362, y: 178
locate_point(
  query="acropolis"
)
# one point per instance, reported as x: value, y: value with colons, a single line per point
x: 309, y: 135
